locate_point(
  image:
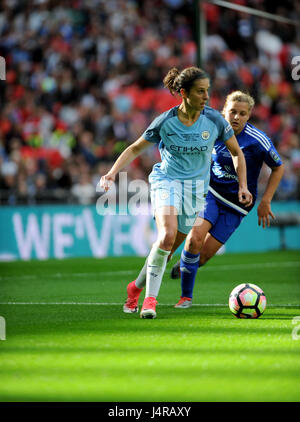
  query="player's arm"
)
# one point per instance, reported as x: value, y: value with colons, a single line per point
x: 127, y: 156
x: 264, y: 209
x: 239, y: 162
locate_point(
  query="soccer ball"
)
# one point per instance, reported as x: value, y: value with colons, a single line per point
x: 247, y: 301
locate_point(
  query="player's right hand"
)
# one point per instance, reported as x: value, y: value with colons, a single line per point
x: 245, y: 197
x: 106, y: 181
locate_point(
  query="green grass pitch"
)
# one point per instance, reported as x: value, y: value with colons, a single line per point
x: 67, y: 338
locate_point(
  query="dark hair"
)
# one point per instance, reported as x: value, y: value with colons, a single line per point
x: 176, y: 80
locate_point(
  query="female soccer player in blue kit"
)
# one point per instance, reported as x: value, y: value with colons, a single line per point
x: 223, y: 212
x: 186, y: 135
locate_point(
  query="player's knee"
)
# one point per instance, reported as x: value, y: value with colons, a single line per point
x: 167, y: 239
x: 194, y: 242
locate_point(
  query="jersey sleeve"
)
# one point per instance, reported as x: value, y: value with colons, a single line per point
x: 152, y: 133
x: 225, y: 129
x: 271, y: 156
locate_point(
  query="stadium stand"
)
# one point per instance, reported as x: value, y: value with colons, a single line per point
x: 84, y: 78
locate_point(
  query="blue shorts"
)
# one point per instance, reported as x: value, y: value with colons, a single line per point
x: 224, y: 219
x: 184, y: 198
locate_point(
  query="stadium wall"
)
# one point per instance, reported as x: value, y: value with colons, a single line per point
x: 42, y: 232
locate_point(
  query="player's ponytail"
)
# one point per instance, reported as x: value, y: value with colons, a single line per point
x: 176, y: 80
x: 170, y: 78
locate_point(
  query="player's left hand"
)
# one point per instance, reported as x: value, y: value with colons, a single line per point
x: 264, y: 212
x: 245, y: 197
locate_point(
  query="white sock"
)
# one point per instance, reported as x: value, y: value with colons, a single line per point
x: 157, y: 261
x: 140, y: 281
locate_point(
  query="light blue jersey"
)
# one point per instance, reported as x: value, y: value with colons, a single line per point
x: 186, y: 151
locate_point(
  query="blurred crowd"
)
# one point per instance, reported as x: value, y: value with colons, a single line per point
x: 84, y: 79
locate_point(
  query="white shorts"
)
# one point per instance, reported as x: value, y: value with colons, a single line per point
x: 187, y: 199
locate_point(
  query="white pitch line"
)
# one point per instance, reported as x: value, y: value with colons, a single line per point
x: 254, y: 266
x: 60, y: 275
x: 273, y: 305
x: 288, y: 264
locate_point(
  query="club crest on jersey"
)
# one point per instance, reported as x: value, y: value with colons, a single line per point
x: 205, y: 135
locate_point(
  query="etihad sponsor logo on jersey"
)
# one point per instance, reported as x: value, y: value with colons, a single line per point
x: 190, y: 150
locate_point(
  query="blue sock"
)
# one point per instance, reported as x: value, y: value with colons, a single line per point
x: 188, y: 268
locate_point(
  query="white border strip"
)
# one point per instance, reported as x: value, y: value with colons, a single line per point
x: 236, y: 207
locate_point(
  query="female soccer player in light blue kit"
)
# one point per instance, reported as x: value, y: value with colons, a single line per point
x: 186, y: 135
x: 223, y: 212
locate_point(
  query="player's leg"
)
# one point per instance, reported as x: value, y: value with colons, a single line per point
x: 209, y: 212
x: 193, y: 223
x: 209, y: 249
x: 157, y: 258
x: 135, y: 288
x: 180, y: 238
x: 166, y: 221
x: 141, y: 278
x: 190, y: 256
x: 182, y: 233
x: 189, y: 260
x: 227, y: 222
x: 140, y: 281
x: 161, y: 198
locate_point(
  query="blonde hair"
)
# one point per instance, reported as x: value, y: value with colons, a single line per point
x: 241, y: 97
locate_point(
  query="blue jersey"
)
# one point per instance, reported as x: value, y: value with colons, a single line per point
x: 258, y: 149
x: 186, y: 150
